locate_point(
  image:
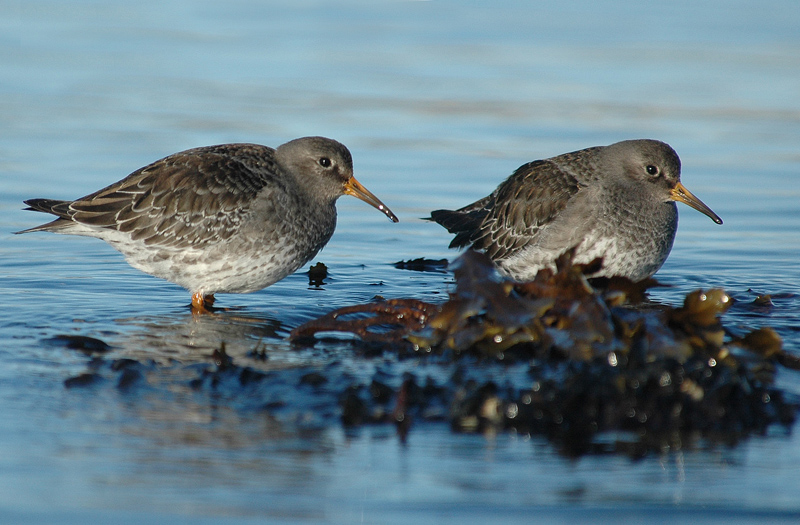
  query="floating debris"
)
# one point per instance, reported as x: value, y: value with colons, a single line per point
x: 423, y: 265
x: 317, y: 274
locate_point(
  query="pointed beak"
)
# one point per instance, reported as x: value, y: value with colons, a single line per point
x: 356, y: 189
x: 681, y: 194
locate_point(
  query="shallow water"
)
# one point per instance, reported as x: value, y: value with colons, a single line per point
x: 438, y: 101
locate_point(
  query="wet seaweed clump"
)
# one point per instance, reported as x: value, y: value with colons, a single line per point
x: 423, y: 265
x: 317, y: 274
x: 591, y: 365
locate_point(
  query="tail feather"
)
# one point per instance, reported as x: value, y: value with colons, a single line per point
x: 465, y: 225
x: 53, y: 206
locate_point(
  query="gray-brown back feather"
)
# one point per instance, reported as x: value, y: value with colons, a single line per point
x: 512, y: 216
x: 179, y: 201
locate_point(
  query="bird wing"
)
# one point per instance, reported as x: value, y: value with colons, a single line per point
x: 513, y: 215
x: 184, y: 199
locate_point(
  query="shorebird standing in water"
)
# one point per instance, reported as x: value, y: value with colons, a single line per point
x: 232, y: 218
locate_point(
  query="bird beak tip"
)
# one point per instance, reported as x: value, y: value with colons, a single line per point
x: 681, y: 194
x: 357, y: 190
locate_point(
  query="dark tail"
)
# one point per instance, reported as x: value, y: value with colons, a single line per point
x: 463, y: 224
x: 55, y: 207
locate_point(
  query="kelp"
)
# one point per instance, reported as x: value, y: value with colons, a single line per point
x: 606, y: 368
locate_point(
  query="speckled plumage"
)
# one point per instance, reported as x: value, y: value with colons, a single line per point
x: 615, y: 202
x: 232, y: 218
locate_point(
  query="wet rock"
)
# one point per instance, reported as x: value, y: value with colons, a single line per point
x: 83, y: 380
x: 248, y: 376
x: 123, y: 364
x: 129, y: 378
x: 313, y: 378
x: 82, y: 343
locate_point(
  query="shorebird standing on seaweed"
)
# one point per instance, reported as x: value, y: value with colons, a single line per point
x: 616, y: 202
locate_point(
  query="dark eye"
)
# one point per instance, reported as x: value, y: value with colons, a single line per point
x: 325, y: 162
x: 652, y: 170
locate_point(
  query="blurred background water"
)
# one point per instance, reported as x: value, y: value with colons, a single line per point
x: 438, y: 102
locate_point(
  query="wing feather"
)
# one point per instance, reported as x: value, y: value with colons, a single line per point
x: 178, y: 200
x: 511, y: 217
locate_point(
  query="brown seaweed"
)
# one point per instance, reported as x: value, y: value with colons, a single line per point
x: 601, y: 359
x: 382, y: 321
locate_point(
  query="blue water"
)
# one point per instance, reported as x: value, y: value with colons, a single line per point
x: 438, y: 102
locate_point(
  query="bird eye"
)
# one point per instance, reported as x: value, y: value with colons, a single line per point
x: 325, y: 162
x: 652, y: 170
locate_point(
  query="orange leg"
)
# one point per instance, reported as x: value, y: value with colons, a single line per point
x: 201, y: 303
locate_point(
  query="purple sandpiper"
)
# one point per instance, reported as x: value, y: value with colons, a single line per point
x: 616, y: 202
x: 232, y: 218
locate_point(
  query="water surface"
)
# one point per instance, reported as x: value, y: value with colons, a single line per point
x: 438, y: 101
